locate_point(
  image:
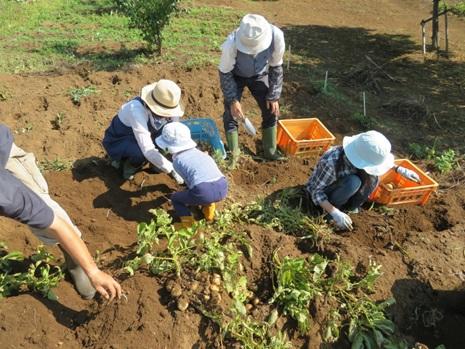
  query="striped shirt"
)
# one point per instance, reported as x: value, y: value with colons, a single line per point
x: 327, y: 172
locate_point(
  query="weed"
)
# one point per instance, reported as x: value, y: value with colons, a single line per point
x: 57, y: 123
x: 284, y: 213
x: 79, y: 92
x: 4, y: 94
x: 421, y: 151
x: 56, y: 165
x: 365, y: 121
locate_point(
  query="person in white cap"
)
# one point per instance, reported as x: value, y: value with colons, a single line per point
x: 252, y: 56
x: 205, y: 182
x: 24, y: 197
x: 129, y: 140
x: 346, y: 175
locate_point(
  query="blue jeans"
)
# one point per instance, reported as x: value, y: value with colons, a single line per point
x: 202, y: 194
x: 348, y: 192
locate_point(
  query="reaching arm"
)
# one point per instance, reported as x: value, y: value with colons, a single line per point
x: 103, y: 283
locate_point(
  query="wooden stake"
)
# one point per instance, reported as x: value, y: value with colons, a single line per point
x: 289, y: 58
x: 326, y: 81
x: 364, y: 104
x: 446, y: 34
x: 423, y: 37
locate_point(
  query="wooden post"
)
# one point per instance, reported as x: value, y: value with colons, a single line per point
x: 423, y: 37
x: 435, y: 25
x: 446, y: 32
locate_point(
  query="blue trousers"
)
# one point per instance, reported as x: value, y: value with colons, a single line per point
x: 348, y: 192
x: 258, y: 87
x: 202, y: 194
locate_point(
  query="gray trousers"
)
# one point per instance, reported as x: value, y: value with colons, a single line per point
x: 258, y: 87
x: 23, y: 166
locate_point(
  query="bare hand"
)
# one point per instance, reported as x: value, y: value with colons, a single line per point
x: 273, y: 106
x: 105, y: 284
x: 236, y: 110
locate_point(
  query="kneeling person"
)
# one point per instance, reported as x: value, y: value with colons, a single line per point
x: 346, y: 175
x: 206, y: 184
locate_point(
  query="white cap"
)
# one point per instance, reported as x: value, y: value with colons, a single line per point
x: 254, y: 34
x: 369, y: 151
x: 175, y: 138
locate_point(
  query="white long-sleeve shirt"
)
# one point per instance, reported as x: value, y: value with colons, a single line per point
x: 136, y: 116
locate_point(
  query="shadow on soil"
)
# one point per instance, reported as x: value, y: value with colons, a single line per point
x: 409, y: 98
x: 431, y: 316
x: 125, y: 203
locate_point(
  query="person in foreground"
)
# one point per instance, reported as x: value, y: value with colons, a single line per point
x: 24, y: 197
x: 252, y: 56
x: 346, y: 175
x: 206, y: 184
x: 129, y: 140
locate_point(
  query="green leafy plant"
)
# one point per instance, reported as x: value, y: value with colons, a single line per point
x: 40, y: 277
x: 78, y: 93
x: 298, y: 283
x: 57, y: 123
x: 421, y: 151
x: 56, y: 165
x: 446, y: 161
x: 457, y: 9
x: 365, y: 121
x: 150, y: 17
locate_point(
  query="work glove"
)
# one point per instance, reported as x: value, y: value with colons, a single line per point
x: 342, y: 220
x: 409, y: 174
x: 177, y: 177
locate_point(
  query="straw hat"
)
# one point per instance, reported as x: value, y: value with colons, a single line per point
x: 369, y: 151
x: 163, y: 98
x: 254, y: 34
x: 175, y: 137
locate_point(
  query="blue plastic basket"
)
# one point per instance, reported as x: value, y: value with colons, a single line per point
x: 205, y: 130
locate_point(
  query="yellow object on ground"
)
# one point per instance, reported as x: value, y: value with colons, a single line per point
x: 209, y: 212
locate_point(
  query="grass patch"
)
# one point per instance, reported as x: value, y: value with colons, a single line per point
x: 44, y: 34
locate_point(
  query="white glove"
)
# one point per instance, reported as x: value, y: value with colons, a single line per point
x: 342, y: 220
x: 409, y: 174
x: 177, y: 177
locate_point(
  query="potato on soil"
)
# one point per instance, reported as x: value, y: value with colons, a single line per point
x: 216, y: 279
x: 183, y: 303
x: 214, y: 288
x: 176, y: 291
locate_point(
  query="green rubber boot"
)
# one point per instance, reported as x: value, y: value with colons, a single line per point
x: 232, y: 139
x: 129, y: 170
x: 269, y: 144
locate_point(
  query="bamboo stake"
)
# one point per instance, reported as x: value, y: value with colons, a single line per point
x: 423, y: 37
x: 446, y: 34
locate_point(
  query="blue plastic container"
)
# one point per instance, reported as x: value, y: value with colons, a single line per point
x: 205, y: 130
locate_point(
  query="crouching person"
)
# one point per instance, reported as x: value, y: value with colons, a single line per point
x: 206, y: 184
x: 346, y: 175
x: 24, y: 197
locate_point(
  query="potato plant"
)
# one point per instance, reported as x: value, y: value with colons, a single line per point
x: 40, y: 277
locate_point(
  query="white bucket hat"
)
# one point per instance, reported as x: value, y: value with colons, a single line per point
x: 369, y: 151
x: 175, y: 137
x: 254, y: 34
x: 163, y: 98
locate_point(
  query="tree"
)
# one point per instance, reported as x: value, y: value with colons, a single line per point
x: 150, y: 17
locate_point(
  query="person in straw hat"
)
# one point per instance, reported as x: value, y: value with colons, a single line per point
x: 252, y: 56
x: 346, y: 175
x: 129, y: 140
x: 205, y: 182
x: 24, y: 197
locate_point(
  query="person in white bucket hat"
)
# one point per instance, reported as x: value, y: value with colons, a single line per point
x: 205, y: 182
x: 129, y: 140
x: 252, y: 56
x: 346, y: 175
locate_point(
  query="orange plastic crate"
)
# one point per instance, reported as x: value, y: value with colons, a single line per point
x: 303, y: 137
x: 404, y: 191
